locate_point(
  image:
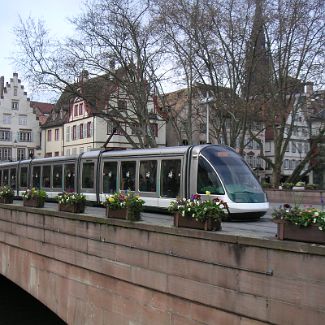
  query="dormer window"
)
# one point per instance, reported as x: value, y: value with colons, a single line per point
x: 15, y: 104
x: 81, y: 109
x: 75, y: 110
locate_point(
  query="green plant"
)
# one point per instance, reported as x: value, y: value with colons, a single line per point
x: 120, y: 200
x: 71, y: 198
x: 34, y: 193
x: 300, y: 184
x: 311, y: 186
x: 287, y: 186
x: 6, y: 192
x: 266, y: 184
x: 198, y: 209
x: 300, y: 217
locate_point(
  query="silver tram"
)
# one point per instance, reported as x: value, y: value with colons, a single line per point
x: 158, y: 175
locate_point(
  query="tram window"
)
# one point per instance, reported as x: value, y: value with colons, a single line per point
x: 36, y: 176
x: 13, y: 178
x: 170, y: 178
x: 47, y: 176
x: 23, y: 177
x: 57, y: 176
x: 207, y: 179
x: 69, y: 177
x: 88, y: 175
x: 128, y: 175
x: 109, y: 177
x: 148, y: 176
x: 5, y: 176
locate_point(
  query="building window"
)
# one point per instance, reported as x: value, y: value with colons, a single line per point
x: 5, y: 153
x: 56, y: 154
x: 56, y: 135
x: 76, y: 110
x: 154, y: 129
x: 6, y: 118
x: 22, y: 119
x: 81, y: 131
x: 49, y: 135
x: 286, y: 164
x: 67, y: 152
x: 15, y: 104
x: 306, y: 147
x: 25, y: 136
x: 293, y: 147
x: 81, y: 109
x: 5, y: 135
x: 81, y: 149
x: 185, y: 142
x: 122, y: 105
x: 21, y: 153
x: 74, y: 151
x: 89, y: 130
x: 267, y: 146
x: 74, y: 132
x: 110, y: 127
x: 68, y: 134
x: 15, y: 90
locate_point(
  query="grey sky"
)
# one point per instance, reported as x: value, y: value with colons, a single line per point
x: 54, y: 13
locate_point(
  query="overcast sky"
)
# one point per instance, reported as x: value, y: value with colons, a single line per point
x: 54, y: 13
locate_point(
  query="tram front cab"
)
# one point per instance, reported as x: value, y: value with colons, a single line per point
x: 224, y: 173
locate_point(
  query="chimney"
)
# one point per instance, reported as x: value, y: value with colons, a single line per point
x: 2, y: 84
x: 84, y: 75
x: 309, y: 88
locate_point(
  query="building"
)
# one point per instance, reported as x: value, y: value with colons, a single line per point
x: 203, y: 124
x: 97, y: 114
x: 19, y: 124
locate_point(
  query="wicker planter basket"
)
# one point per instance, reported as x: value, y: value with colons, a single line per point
x: 34, y: 202
x: 73, y: 208
x: 290, y: 231
x: 125, y: 214
x: 6, y: 200
x: 188, y: 222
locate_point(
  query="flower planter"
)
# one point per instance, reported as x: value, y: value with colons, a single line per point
x: 6, y: 200
x: 125, y: 214
x: 34, y: 203
x: 73, y: 208
x: 309, y: 234
x: 188, y: 222
x: 298, y: 188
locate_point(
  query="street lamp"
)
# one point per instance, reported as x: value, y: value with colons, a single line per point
x: 207, y: 100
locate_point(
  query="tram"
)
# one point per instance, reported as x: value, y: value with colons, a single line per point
x: 158, y: 175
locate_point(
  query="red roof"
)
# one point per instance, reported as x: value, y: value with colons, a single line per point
x: 44, y: 108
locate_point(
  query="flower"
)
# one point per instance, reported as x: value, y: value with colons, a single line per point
x: 71, y: 198
x: 301, y: 217
x: 6, y: 192
x: 34, y: 193
x: 120, y: 200
x: 198, y: 209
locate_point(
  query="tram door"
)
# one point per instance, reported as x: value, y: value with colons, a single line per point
x: 170, y: 180
x: 109, y: 177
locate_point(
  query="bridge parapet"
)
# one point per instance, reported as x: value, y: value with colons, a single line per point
x: 90, y: 270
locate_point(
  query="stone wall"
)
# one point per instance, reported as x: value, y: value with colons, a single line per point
x: 92, y: 270
x: 296, y: 196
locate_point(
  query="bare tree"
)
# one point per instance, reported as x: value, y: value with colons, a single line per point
x: 115, y: 41
x: 294, y: 32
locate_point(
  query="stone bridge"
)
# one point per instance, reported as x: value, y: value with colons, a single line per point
x: 91, y: 270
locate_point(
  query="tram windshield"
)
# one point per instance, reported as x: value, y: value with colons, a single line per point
x: 238, y: 180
